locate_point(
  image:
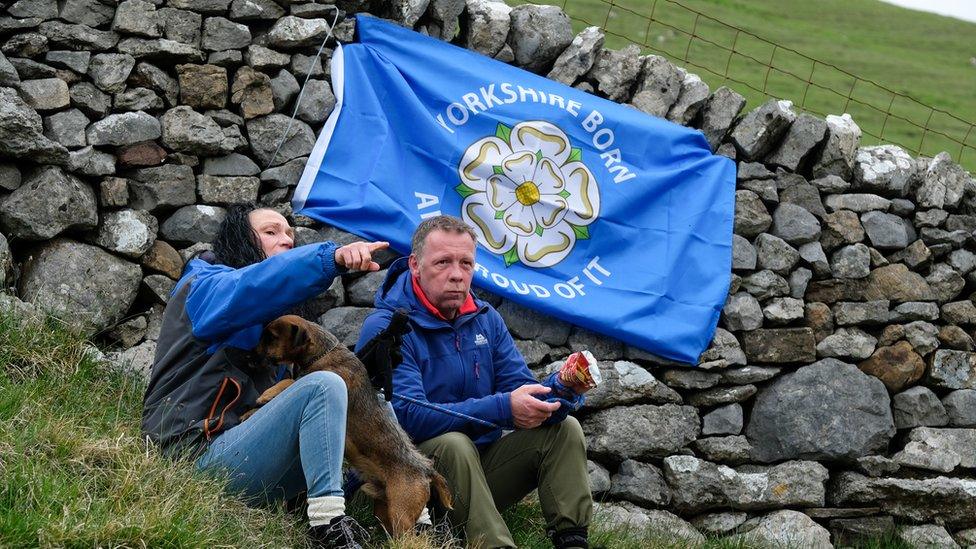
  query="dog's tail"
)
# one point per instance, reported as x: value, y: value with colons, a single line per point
x: 439, y: 485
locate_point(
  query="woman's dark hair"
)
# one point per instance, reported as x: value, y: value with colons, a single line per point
x: 236, y: 244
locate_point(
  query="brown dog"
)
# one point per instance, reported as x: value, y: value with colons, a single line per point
x: 398, y: 477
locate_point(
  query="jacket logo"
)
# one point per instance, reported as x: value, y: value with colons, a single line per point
x: 480, y: 340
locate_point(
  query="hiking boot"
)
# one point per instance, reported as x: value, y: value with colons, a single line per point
x: 571, y: 538
x: 342, y: 532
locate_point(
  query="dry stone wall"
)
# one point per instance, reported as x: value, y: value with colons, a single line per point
x: 837, y: 399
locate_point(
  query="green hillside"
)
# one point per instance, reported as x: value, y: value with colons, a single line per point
x: 925, y: 56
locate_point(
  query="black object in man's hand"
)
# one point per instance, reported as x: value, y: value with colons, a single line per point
x: 382, y: 354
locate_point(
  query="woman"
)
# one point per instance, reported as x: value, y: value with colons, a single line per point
x: 205, y: 375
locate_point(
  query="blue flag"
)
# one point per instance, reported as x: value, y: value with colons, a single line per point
x: 585, y: 209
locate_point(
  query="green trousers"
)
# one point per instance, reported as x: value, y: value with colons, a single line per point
x: 551, y: 458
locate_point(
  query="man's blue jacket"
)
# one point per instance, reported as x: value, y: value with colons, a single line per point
x: 470, y: 365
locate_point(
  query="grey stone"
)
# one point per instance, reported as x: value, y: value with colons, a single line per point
x: 317, y: 103
x: 658, y: 86
x: 442, y: 18
x: 623, y: 383
x: 751, y: 216
x: 749, y: 374
x: 877, y: 466
x: 953, y: 370
x: 641, y: 483
x: 181, y: 25
x: 113, y: 192
x: 765, y: 284
x: 860, y: 313
x: 137, y: 360
x: 640, y: 432
x: 196, y: 223
x: 902, y: 207
x: 76, y: 61
x: 840, y: 148
x: 185, y: 130
x: 856, y: 202
x: 941, y: 450
x: 266, y: 132
x: 26, y: 45
x: 731, y: 449
x: 599, y: 477
x: 160, y: 286
x: 742, y: 312
x: 812, y: 253
x: 77, y: 37
x: 48, y: 202
x: 534, y: 352
x: 700, y: 486
x: 841, y: 227
x: 931, y: 218
x: 885, y: 169
x: 926, y: 535
x: 527, y: 324
x: 284, y: 88
x: 154, y: 78
x: 362, y: 291
x: 847, y: 343
x: 124, y: 129
x: 852, y: 261
x: 943, y: 183
x: 722, y: 395
x: 203, y: 6
x: 795, y: 225
x: 127, y: 232
x: 945, y: 282
x: 960, y: 405
x: 963, y: 261
x: 785, y: 529
x: 46, y: 94
x: 719, y: 113
x: 286, y: 175
x: 718, y: 524
x: 8, y: 74
x: 138, y: 99
x: 826, y: 411
x: 139, y: 18
x: 67, y: 128
x: 575, y: 61
x: 918, y: 407
x: 723, y: 348
x: 914, y: 255
x: 615, y: 71
x: 950, y: 500
x: 624, y: 515
x: 959, y: 312
x: 223, y: 34
x: 783, y: 310
x: 21, y: 132
x: 262, y: 58
x: 233, y: 164
x: 164, y: 186
x: 688, y: 378
x: 9, y: 177
x: 292, y: 32
x: 887, y: 231
x: 84, y: 285
x: 724, y: 420
x: 88, y: 161
x: 345, y: 323
x: 743, y: 253
x: 226, y: 190
x: 162, y: 50
x: 775, y: 254
x: 538, y: 35
x: 45, y: 9
x: 694, y: 92
x: 804, y: 135
x: 777, y: 345
x: 251, y: 10
x: 109, y: 71
x: 303, y: 66
x: 923, y: 336
x: 762, y: 128
x: 488, y: 26
x: 602, y: 347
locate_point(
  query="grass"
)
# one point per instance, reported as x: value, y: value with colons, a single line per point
x: 920, y: 55
x: 77, y: 474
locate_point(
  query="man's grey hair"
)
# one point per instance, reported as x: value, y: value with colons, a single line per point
x: 447, y: 223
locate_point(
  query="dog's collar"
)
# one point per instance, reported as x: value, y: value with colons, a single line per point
x: 319, y: 356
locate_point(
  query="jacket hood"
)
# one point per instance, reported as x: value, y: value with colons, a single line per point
x: 397, y: 293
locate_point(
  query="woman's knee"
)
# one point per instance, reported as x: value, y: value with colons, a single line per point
x: 327, y: 384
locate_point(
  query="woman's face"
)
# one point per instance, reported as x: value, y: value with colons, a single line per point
x: 273, y: 231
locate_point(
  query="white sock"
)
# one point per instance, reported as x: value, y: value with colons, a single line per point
x: 323, y: 509
x: 424, y: 518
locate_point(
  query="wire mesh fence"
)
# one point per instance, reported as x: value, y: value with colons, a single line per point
x: 758, y: 68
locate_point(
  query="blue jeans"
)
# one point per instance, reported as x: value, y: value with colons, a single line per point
x: 293, y: 443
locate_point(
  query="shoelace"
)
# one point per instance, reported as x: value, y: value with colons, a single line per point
x: 347, y: 530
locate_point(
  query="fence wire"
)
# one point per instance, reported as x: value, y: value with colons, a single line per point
x: 736, y: 56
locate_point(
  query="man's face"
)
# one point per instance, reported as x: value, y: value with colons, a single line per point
x: 444, y: 270
x: 273, y: 231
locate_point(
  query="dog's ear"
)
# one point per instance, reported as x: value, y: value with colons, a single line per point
x: 298, y: 335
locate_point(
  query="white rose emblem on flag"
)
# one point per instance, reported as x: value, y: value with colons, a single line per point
x: 527, y: 193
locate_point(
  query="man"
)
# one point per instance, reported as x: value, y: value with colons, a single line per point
x: 461, y: 357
